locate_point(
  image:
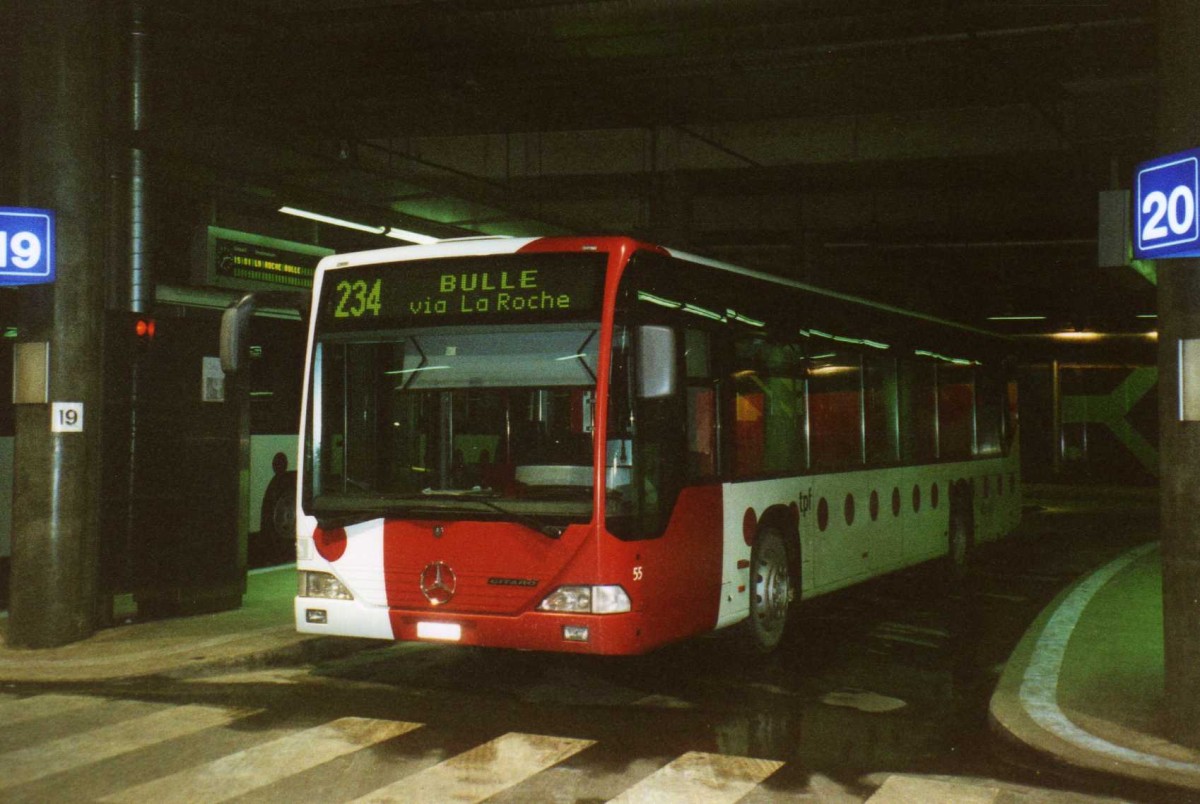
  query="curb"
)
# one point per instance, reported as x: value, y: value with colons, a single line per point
x: 305, y: 651
x: 275, y: 646
x: 1025, y: 707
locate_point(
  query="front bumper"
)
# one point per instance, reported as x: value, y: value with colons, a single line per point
x: 611, y: 634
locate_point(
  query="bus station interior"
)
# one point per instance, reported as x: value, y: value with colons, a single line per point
x: 961, y: 160
x: 969, y: 161
x: 952, y: 160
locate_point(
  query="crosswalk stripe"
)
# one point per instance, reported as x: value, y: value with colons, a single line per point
x: 483, y: 771
x: 67, y: 753
x: 699, y: 778
x: 905, y: 789
x: 20, y: 710
x: 256, y: 767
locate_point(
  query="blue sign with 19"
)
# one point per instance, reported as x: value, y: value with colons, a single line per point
x: 26, y: 246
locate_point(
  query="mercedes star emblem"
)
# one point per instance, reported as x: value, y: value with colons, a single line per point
x: 438, y: 582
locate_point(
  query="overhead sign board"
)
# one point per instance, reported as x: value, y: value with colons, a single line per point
x: 26, y: 246
x: 243, y: 261
x: 1166, y: 221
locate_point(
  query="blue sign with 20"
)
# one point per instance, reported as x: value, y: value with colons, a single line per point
x: 26, y: 246
x: 1166, y: 222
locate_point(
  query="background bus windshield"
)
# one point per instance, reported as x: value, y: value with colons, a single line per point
x: 494, y: 420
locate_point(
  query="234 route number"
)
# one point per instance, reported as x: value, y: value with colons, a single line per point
x: 358, y: 298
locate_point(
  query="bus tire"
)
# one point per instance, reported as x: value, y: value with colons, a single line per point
x: 278, y: 519
x: 962, y: 529
x: 772, y: 590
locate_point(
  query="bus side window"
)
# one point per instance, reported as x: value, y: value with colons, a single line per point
x: 990, y: 402
x: 918, y: 411
x: 881, y: 422
x: 770, y: 408
x: 749, y: 408
x: 956, y: 410
x: 701, y: 405
x: 835, y: 408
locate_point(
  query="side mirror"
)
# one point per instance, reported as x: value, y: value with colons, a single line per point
x: 656, y: 362
x: 235, y: 324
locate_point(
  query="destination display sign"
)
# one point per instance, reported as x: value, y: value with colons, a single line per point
x: 227, y: 258
x: 471, y: 290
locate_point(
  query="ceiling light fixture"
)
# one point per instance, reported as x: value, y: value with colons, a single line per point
x: 1016, y: 318
x: 1078, y: 335
x: 411, y: 237
x: 319, y: 218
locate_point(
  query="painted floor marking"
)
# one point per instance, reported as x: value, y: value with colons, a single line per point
x: 906, y: 628
x: 699, y: 778
x: 1006, y: 597
x: 273, y: 675
x: 483, y: 771
x: 920, y: 643
x: 908, y: 789
x: 21, y: 710
x: 1039, y: 686
x: 85, y: 748
x: 244, y: 771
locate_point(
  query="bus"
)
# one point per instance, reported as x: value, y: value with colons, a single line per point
x: 278, y: 344
x: 599, y: 445
x: 277, y: 341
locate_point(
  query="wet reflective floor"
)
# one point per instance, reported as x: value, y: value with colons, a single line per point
x: 890, y: 677
x: 894, y: 674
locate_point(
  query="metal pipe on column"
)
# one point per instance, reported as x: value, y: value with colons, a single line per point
x: 140, y: 288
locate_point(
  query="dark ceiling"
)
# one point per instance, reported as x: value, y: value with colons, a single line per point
x: 943, y: 155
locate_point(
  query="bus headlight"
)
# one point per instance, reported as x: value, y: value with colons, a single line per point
x: 322, y: 584
x: 587, y: 600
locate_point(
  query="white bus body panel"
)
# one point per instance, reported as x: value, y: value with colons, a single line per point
x: 854, y: 546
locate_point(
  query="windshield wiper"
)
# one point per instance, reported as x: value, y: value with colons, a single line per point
x: 479, y: 495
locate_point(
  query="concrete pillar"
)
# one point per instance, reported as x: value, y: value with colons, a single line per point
x: 61, y: 167
x: 1179, y: 317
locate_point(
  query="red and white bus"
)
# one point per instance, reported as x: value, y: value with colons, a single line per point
x: 603, y: 446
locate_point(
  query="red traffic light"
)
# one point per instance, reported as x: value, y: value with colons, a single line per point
x: 144, y: 328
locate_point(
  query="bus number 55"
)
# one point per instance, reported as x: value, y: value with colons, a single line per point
x: 637, y: 573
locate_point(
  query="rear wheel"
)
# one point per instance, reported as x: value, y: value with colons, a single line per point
x: 962, y: 526
x: 772, y: 591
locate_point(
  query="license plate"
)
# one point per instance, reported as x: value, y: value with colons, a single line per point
x: 447, y: 632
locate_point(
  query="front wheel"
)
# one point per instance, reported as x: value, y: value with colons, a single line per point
x: 772, y: 591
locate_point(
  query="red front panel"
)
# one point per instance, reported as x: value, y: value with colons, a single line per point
x: 498, y: 568
x: 502, y: 571
x: 675, y: 579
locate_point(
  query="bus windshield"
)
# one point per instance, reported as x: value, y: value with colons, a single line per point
x: 495, y: 421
